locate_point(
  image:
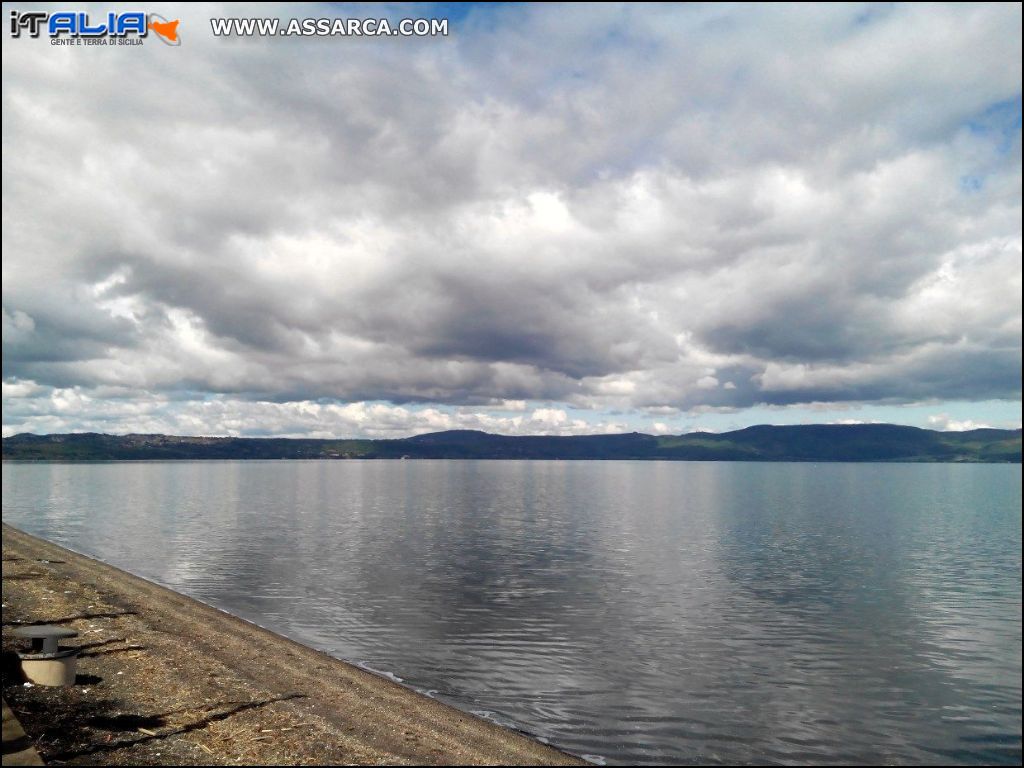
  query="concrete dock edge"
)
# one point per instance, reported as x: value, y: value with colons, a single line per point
x: 18, y: 749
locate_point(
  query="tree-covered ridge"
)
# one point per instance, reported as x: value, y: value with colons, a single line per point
x: 827, y: 442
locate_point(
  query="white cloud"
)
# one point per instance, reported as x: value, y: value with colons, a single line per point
x: 624, y: 210
x: 943, y: 423
x: 29, y: 407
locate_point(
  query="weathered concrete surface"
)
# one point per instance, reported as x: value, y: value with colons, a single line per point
x: 17, y: 747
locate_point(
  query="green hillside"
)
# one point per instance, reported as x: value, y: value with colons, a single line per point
x: 822, y: 442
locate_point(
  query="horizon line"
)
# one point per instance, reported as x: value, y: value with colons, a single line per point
x: 499, y: 434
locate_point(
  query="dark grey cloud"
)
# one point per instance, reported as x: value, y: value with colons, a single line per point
x: 604, y: 208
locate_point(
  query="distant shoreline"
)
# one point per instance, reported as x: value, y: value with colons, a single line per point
x: 383, y: 459
x: 887, y: 443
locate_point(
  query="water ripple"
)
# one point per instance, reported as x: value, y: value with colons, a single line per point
x: 635, y: 613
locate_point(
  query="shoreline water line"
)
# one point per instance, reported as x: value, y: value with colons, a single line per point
x: 203, y: 653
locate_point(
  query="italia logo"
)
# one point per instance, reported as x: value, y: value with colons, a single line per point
x: 83, y: 25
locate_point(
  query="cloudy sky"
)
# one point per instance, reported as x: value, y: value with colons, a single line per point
x: 554, y: 220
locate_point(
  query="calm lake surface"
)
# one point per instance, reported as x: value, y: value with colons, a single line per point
x: 643, y: 612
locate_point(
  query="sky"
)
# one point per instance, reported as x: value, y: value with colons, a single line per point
x: 554, y: 220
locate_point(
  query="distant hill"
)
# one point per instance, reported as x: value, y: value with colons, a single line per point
x: 822, y: 442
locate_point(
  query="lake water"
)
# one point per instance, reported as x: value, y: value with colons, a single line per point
x: 644, y: 612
